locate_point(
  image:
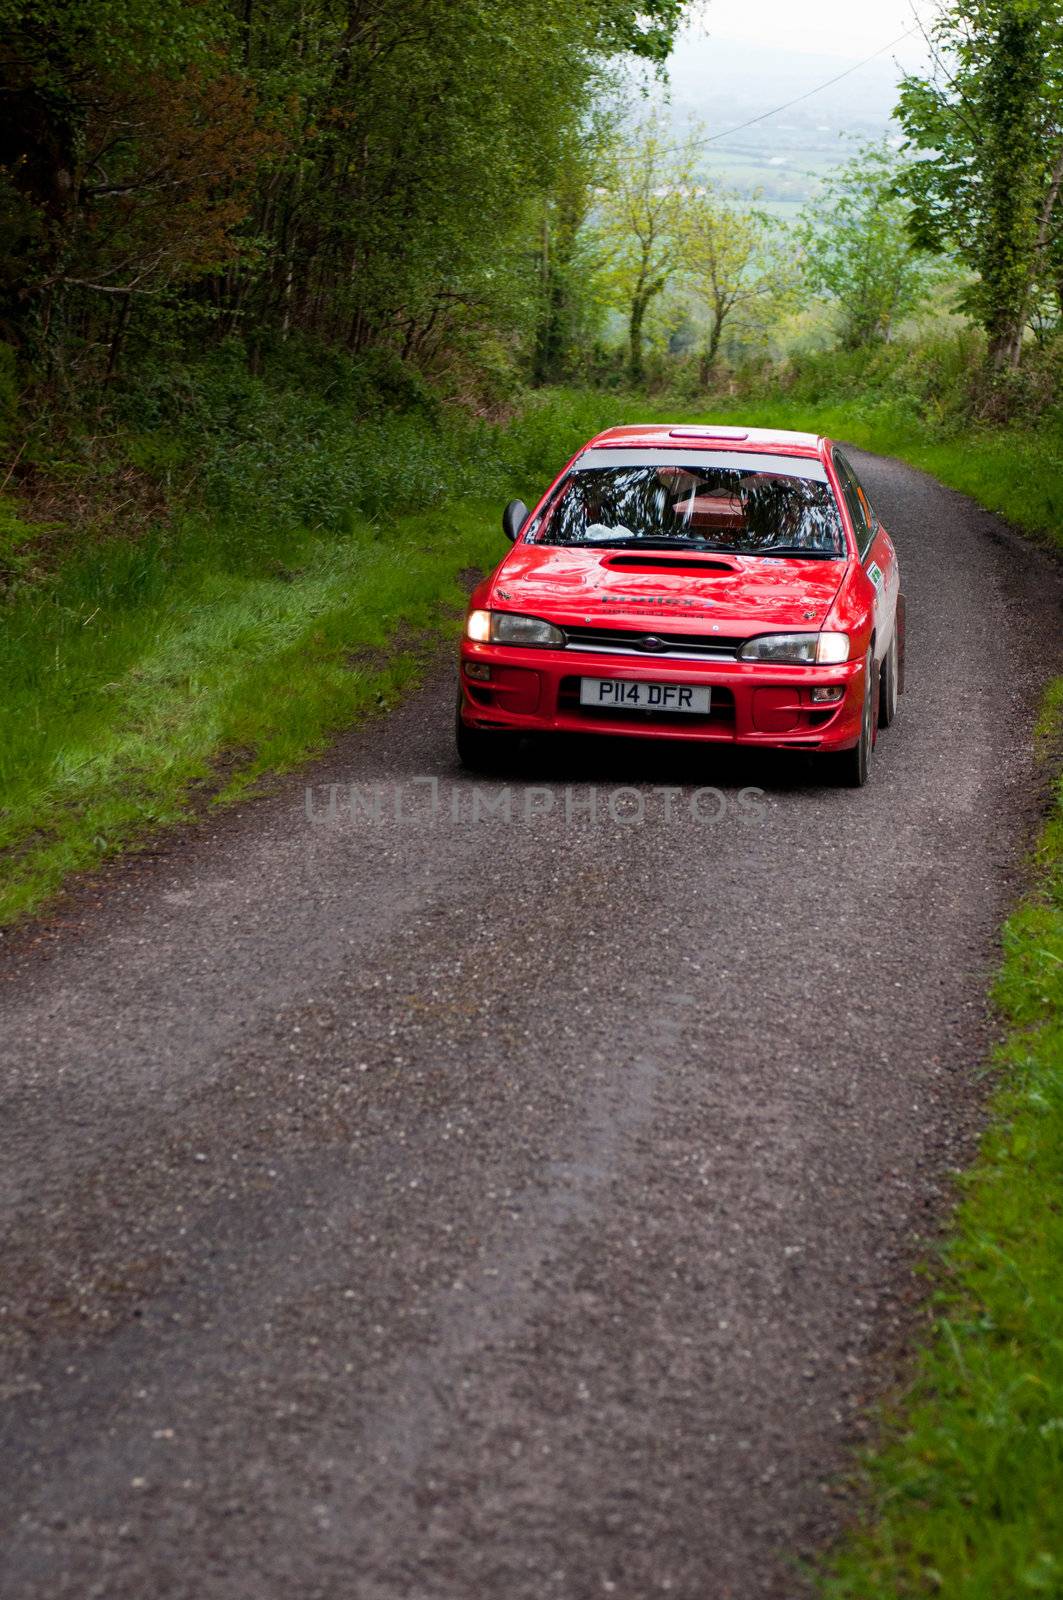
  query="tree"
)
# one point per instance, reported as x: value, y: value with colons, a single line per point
x: 359, y: 171
x: 69, y: 69
x: 858, y: 251
x: 567, y: 261
x: 736, y: 262
x: 989, y: 126
x: 639, y: 221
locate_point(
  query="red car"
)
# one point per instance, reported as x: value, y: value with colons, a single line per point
x: 728, y: 585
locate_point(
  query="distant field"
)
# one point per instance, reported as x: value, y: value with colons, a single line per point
x: 781, y: 179
x: 716, y: 85
x: 782, y: 175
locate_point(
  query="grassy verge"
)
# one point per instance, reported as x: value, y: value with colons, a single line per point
x: 965, y: 1489
x: 122, y: 684
x: 239, y: 633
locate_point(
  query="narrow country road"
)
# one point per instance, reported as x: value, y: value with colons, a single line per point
x: 452, y: 1208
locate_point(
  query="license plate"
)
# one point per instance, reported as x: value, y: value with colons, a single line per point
x: 623, y: 695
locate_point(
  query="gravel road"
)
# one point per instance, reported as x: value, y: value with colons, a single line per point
x: 449, y: 1208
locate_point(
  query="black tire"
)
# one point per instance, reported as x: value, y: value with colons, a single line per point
x: 853, y: 766
x: 889, y: 684
x: 481, y: 749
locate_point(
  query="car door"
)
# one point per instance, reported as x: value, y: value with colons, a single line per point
x: 876, y: 552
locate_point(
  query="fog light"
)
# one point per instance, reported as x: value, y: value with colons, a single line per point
x: 827, y: 693
x: 478, y: 670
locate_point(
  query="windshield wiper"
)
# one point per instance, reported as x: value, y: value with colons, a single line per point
x: 637, y: 543
x: 794, y: 550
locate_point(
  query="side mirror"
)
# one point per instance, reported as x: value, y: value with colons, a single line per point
x: 513, y: 519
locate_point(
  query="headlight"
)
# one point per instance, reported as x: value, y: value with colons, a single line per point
x: 832, y: 647
x: 797, y: 649
x: 508, y: 627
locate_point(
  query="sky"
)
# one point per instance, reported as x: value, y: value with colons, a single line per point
x: 838, y: 62
x: 849, y: 28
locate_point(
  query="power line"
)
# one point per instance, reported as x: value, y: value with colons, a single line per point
x: 712, y: 138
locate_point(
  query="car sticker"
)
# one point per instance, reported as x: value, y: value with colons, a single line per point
x: 874, y: 572
x: 653, y: 600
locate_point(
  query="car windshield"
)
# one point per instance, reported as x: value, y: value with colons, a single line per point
x: 749, y: 505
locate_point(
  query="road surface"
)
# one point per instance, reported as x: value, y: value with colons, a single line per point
x: 451, y: 1208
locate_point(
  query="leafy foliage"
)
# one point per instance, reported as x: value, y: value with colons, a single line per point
x: 359, y: 170
x: 639, y: 220
x: 858, y: 250
x: 737, y: 263
x: 989, y: 128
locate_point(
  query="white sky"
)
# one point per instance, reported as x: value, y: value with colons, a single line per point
x: 851, y: 28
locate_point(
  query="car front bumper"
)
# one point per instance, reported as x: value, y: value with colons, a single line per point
x: 752, y: 703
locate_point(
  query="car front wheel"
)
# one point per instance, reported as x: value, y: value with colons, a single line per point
x: 480, y: 749
x: 853, y: 765
x: 889, y: 687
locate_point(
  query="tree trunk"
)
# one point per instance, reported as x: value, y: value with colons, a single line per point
x: 1009, y: 158
x: 710, y: 352
x: 544, y: 341
x: 120, y: 324
x: 636, y: 370
x: 1005, y: 346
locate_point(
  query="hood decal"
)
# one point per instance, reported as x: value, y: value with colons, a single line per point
x: 653, y: 600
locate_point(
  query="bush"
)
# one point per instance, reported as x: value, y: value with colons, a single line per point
x: 8, y: 391
x: 941, y: 382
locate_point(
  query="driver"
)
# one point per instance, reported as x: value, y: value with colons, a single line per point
x: 598, y: 527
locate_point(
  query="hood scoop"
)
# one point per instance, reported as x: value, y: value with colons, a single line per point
x: 666, y: 563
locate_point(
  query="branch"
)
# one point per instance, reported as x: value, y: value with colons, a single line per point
x: 103, y: 288
x: 1045, y: 221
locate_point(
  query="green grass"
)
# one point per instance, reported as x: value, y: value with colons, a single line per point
x: 149, y: 673
x: 966, y: 1487
x: 123, y: 684
x: 909, y: 404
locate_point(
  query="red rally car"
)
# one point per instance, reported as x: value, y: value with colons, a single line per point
x: 729, y: 585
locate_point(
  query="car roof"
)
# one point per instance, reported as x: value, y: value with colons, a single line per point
x: 709, y: 436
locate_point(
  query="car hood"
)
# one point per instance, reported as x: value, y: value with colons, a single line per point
x: 697, y: 593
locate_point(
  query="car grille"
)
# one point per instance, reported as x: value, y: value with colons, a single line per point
x: 630, y: 641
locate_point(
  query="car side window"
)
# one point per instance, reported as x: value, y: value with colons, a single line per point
x: 865, y: 523
x: 869, y: 510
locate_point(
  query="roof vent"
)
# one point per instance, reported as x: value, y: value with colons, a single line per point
x: 708, y: 433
